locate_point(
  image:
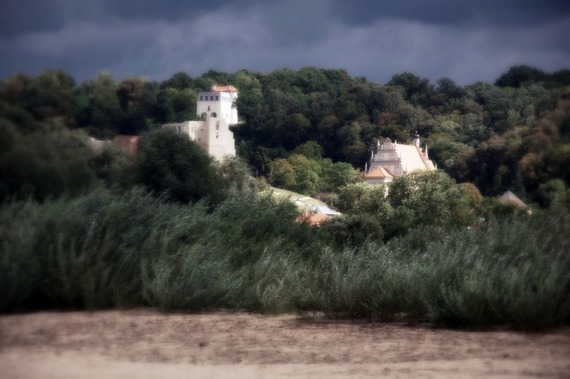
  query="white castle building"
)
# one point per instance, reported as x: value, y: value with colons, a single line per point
x: 217, y: 111
x: 394, y: 159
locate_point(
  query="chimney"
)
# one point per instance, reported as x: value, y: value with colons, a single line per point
x: 417, y: 140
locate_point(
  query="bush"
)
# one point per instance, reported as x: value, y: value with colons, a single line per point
x: 44, y: 164
x: 88, y: 251
x: 171, y: 165
x: 511, y: 271
x: 352, y: 230
x: 107, y: 250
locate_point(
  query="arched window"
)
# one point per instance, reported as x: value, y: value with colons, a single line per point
x: 214, y: 115
x: 203, y: 116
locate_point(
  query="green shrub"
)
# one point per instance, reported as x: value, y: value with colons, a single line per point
x: 352, y: 230
x: 109, y: 250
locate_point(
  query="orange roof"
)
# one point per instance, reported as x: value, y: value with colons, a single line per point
x: 218, y: 88
x: 313, y: 219
x: 378, y: 172
x: 129, y: 143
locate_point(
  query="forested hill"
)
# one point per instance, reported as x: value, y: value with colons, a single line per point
x: 513, y: 134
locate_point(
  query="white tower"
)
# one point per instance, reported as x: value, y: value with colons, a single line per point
x: 218, y: 103
x: 218, y: 112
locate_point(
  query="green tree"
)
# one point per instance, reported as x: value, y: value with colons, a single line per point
x: 427, y: 198
x: 50, y: 162
x: 170, y: 164
x: 352, y: 230
x: 518, y: 75
x: 337, y: 175
x: 282, y: 174
x: 50, y: 95
x: 418, y: 91
x: 310, y: 149
x: 179, y: 81
x: 307, y: 174
x: 554, y: 193
x: 237, y: 175
x: 103, y: 112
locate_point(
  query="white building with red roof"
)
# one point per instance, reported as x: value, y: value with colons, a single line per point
x: 393, y: 159
x: 218, y: 112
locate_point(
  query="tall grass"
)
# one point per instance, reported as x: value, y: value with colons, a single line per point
x: 512, y: 271
x: 108, y: 250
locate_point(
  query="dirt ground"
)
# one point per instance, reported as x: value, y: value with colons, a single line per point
x: 149, y: 344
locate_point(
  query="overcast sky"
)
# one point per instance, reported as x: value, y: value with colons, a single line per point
x: 465, y: 40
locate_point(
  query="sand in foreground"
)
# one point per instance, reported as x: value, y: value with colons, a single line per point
x: 148, y: 344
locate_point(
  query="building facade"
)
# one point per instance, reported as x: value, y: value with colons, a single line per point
x: 217, y: 112
x: 392, y: 159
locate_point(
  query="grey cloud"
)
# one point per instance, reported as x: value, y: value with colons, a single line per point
x: 296, y: 22
x: 137, y: 39
x: 504, y: 13
x: 17, y: 16
x: 164, y: 10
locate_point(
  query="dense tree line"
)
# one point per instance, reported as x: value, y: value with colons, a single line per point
x: 297, y: 124
x: 86, y: 225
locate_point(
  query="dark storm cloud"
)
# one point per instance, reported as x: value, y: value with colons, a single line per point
x: 165, y: 9
x: 453, y: 12
x: 17, y: 16
x: 466, y: 40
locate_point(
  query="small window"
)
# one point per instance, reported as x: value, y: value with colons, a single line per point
x: 203, y: 116
x: 214, y: 114
x: 217, y: 98
x: 208, y: 108
x: 216, y: 135
x: 212, y: 98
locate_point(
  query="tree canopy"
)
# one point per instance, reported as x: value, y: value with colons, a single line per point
x: 513, y: 134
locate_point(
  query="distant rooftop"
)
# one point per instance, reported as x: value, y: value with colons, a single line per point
x: 219, y: 88
x: 378, y: 172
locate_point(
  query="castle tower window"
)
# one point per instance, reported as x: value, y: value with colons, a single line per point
x: 214, y: 114
x: 203, y: 116
x: 217, y: 98
x: 201, y: 98
x: 212, y: 98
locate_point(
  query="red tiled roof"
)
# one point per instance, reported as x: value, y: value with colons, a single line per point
x: 129, y: 143
x: 218, y: 88
x: 378, y: 172
x: 313, y: 219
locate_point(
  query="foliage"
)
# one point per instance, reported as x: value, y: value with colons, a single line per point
x: 44, y: 163
x: 426, y: 198
x: 107, y: 250
x: 79, y: 228
x: 508, y: 272
x: 510, y: 135
x: 172, y: 165
x: 309, y: 176
x: 352, y: 230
